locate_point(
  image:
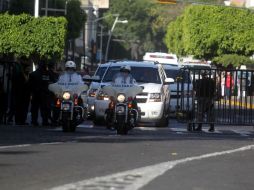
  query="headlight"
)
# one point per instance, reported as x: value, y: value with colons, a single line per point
x: 102, y: 96
x: 121, y: 98
x: 66, y: 95
x: 155, y: 97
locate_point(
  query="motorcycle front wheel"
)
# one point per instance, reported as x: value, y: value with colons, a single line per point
x: 121, y: 129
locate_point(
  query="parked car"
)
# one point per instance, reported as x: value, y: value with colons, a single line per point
x: 153, y: 101
x: 181, y: 90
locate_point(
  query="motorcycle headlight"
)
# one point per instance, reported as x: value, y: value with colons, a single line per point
x: 66, y: 95
x: 121, y: 98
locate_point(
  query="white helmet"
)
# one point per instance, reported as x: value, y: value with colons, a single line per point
x: 125, y: 68
x: 70, y: 64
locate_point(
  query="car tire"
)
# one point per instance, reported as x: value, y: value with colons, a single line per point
x: 163, y: 122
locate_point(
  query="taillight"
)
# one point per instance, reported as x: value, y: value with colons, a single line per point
x: 76, y: 101
x: 130, y: 105
x: 58, y: 103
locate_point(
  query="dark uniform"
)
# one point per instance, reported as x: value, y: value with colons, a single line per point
x: 39, y: 81
x: 205, y: 92
x: 1, y: 102
x: 22, y: 95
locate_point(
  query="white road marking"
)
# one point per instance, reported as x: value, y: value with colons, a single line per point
x: 27, y: 145
x: 138, y: 178
x: 85, y: 126
x: 183, y: 130
x: 147, y: 128
x: 15, y: 146
x: 242, y: 133
x: 178, y: 129
x: 51, y: 143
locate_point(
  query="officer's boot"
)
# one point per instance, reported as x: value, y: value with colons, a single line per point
x: 199, y: 127
x: 211, y: 128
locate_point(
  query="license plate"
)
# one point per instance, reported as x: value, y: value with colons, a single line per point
x: 120, y: 109
x: 66, y: 107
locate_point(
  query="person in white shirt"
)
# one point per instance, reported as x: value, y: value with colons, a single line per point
x: 124, y: 76
x: 70, y: 76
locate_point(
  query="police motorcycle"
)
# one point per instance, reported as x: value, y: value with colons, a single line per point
x: 69, y: 104
x: 123, y: 113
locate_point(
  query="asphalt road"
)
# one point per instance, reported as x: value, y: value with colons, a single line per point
x: 148, y: 158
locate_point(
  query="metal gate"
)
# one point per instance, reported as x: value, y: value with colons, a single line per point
x: 216, y: 96
x: 6, y: 90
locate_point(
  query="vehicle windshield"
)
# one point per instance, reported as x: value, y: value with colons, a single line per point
x: 140, y: 74
x: 100, y: 71
x: 172, y: 73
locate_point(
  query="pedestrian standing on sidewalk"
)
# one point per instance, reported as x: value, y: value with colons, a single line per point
x: 1, y: 101
x: 229, y: 83
x: 22, y: 95
x: 38, y: 83
x: 205, y: 90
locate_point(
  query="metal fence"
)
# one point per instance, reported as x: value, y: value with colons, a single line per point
x: 6, y: 91
x: 216, y: 96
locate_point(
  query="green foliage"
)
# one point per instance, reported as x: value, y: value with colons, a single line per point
x: 233, y: 59
x: 210, y: 31
x: 75, y: 17
x: 146, y: 24
x: 24, y: 35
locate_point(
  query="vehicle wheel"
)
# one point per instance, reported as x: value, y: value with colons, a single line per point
x: 163, y: 121
x: 67, y: 126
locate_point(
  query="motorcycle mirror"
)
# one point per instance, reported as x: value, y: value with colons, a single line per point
x: 96, y: 78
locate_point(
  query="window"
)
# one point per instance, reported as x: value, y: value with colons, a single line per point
x: 140, y: 74
x: 100, y: 72
x: 172, y: 73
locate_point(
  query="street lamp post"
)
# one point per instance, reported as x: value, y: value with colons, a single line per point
x: 110, y: 34
x: 101, y: 41
x: 36, y: 8
x: 101, y: 27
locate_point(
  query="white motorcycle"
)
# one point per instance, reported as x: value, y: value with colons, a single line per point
x: 123, y: 113
x: 69, y: 104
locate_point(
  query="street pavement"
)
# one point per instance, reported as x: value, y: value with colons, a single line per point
x: 148, y: 158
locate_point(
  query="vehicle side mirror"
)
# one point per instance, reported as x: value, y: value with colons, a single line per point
x: 169, y: 81
x: 87, y: 78
x: 96, y: 78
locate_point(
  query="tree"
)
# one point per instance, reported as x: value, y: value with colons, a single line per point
x: 233, y: 60
x: 211, y: 31
x: 76, y: 18
x: 138, y: 30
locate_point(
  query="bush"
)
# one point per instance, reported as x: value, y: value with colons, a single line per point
x: 24, y: 35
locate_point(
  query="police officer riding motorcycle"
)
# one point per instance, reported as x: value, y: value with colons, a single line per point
x: 122, y: 113
x: 68, y: 89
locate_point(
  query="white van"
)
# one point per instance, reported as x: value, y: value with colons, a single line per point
x: 162, y: 58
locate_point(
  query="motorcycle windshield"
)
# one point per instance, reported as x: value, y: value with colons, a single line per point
x: 75, y: 88
x: 128, y: 90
